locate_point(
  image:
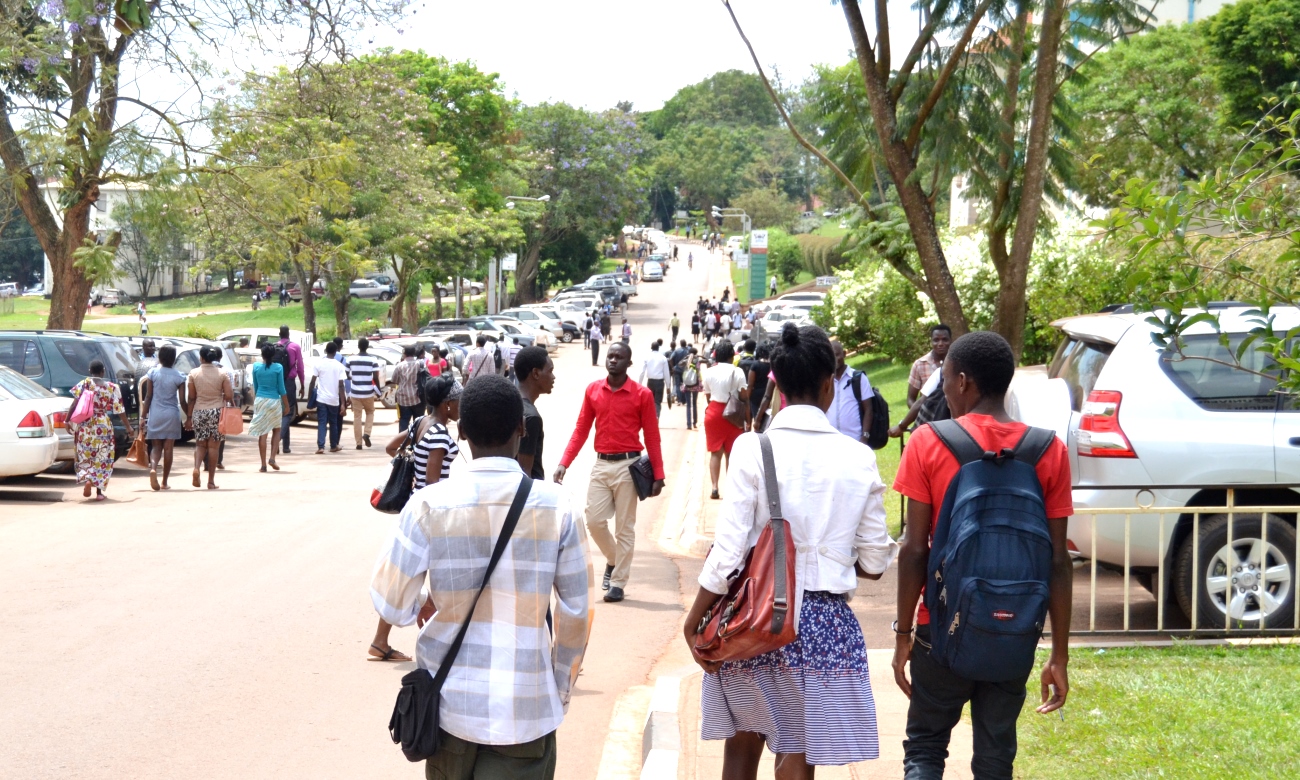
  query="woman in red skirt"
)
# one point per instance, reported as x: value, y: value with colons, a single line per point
x: 722, y: 381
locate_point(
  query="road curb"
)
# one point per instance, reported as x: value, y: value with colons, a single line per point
x: 661, y: 740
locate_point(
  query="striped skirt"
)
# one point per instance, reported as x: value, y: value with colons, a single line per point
x: 812, y: 696
x: 267, y: 414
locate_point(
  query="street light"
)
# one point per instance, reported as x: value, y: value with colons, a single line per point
x: 495, y: 288
x: 719, y: 214
x: 510, y: 199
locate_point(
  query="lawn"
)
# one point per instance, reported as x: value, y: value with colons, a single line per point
x: 890, y: 379
x: 1180, y: 712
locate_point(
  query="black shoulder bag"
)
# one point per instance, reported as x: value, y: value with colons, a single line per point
x: 401, y: 479
x: 414, y: 723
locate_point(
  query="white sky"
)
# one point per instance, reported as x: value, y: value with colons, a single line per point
x: 595, y: 53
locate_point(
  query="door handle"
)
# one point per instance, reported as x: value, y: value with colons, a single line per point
x: 1294, y: 441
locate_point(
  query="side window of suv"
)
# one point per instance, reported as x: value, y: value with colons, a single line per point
x: 22, y: 356
x: 79, y: 354
x: 1079, y: 363
x: 1207, y: 374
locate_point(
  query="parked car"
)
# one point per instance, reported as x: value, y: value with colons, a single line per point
x: 317, y: 291
x: 257, y: 337
x: 368, y: 289
x: 652, y: 272
x: 8, y: 289
x: 1152, y: 427
x: 622, y: 282
x: 386, y: 281
x: 816, y: 298
x: 114, y: 297
x: 466, y: 287
x: 541, y: 336
x: 569, y: 319
x: 52, y: 407
x: 28, y: 443
x: 477, y: 324
x: 538, y: 320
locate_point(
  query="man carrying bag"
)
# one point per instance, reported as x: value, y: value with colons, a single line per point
x: 471, y: 720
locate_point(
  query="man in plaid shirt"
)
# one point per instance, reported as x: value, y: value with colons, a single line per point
x: 925, y: 366
x: 407, y: 377
x: 509, y: 687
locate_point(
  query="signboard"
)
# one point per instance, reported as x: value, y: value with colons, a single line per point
x: 742, y: 259
x: 682, y: 214
x: 758, y: 264
x: 826, y: 281
x: 509, y: 262
x: 758, y: 242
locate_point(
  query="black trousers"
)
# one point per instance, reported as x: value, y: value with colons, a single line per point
x: 674, y: 341
x: 938, y: 696
x: 595, y: 353
x: 656, y: 387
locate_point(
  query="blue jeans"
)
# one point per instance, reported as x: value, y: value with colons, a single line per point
x: 405, y: 414
x: 938, y: 696
x: 328, y: 415
x: 692, y: 408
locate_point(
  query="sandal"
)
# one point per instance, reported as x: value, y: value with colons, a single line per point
x: 271, y: 463
x: 714, y: 495
x: 100, y: 497
x: 153, y: 479
x: 195, y: 480
x: 391, y: 654
x: 86, y: 490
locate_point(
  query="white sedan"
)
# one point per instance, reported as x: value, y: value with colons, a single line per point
x: 28, y: 442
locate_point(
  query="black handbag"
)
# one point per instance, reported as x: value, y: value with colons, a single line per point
x: 401, y: 480
x: 643, y: 477
x: 414, y: 723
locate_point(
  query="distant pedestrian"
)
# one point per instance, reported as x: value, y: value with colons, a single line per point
x: 850, y: 410
x: 674, y: 325
x: 330, y: 386
x: 771, y: 287
x: 257, y: 298
x: 654, y: 374
x: 536, y: 377
x: 623, y: 412
x: 407, y: 378
x: 95, y: 444
x: 586, y: 328
x: 926, y: 381
x: 695, y: 327
x: 160, y: 414
x: 756, y: 376
x: 605, y: 328
x: 270, y: 406
x: 627, y: 331
x: 506, y: 692
x: 722, y: 382
x: 692, y: 370
x: 144, y: 324
x: 810, y: 702
x: 594, y: 338
x: 208, y: 393
x: 364, y: 380
x: 289, y: 356
x: 482, y: 361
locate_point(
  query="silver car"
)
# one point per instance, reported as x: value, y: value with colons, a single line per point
x: 1147, y: 427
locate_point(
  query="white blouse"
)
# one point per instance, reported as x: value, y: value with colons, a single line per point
x: 831, y: 495
x: 723, y: 381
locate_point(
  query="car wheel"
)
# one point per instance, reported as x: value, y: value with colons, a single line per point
x: 355, y: 297
x: 567, y: 338
x: 389, y: 397
x: 1251, y: 581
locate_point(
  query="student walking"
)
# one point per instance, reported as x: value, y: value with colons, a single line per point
x: 976, y: 374
x: 695, y: 327
x: 535, y: 373
x: 436, y: 446
x: 623, y: 412
x: 851, y: 410
x: 210, y: 391
x: 627, y: 331
x: 810, y: 701
x: 481, y: 362
x: 756, y: 379
x: 270, y: 406
x: 691, y: 388
x: 722, y: 382
x: 771, y: 286
x: 160, y: 414
x: 507, y: 689
x: 363, y: 388
x: 407, y: 378
x: 674, y: 325
x: 289, y: 356
x: 654, y: 375
x: 95, y: 448
x: 330, y: 386
x: 594, y: 337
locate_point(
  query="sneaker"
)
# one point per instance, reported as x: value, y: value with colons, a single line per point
x: 365, y: 437
x: 284, y: 451
x: 614, y: 595
x: 604, y: 583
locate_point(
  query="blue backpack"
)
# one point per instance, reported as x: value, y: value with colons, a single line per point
x: 990, y: 559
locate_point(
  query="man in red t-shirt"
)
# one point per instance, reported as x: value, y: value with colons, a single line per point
x: 976, y: 375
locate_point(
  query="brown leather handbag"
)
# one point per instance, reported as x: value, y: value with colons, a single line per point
x: 754, y: 617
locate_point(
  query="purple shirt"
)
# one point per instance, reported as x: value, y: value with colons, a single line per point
x: 296, y: 370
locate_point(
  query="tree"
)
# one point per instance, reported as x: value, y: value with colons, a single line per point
x: 729, y: 97
x: 61, y: 71
x: 1255, y: 45
x: 767, y: 207
x: 152, y: 224
x: 1148, y: 107
x: 784, y: 255
x: 591, y: 167
x: 707, y: 164
x: 20, y: 252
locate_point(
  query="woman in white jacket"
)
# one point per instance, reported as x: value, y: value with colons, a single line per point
x: 809, y: 701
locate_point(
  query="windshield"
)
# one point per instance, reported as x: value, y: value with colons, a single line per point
x: 21, y: 387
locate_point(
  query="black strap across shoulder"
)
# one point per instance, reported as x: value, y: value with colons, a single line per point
x: 781, y: 591
x: 1033, y: 445
x: 507, y: 530
x: 958, y: 441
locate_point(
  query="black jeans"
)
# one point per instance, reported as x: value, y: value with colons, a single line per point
x: 405, y: 414
x: 595, y: 353
x: 938, y: 696
x: 656, y: 387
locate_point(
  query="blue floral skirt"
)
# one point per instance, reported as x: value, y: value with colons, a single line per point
x: 812, y: 696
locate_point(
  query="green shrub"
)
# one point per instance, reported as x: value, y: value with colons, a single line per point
x: 821, y: 254
x: 196, y: 331
x: 784, y: 255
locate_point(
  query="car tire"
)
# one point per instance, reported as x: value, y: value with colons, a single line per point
x: 389, y: 397
x: 567, y: 338
x: 354, y: 297
x: 1272, y: 577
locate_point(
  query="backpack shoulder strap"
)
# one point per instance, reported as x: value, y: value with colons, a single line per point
x: 1033, y: 445
x: 855, y: 382
x: 958, y: 440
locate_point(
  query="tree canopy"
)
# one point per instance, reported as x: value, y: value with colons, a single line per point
x: 1256, y: 45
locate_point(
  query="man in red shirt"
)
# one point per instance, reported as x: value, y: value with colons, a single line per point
x: 976, y: 374
x: 622, y: 410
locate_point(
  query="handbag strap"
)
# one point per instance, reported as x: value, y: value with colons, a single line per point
x: 507, y: 530
x: 781, y: 591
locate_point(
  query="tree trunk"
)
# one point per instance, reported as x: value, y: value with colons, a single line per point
x: 437, y: 302
x: 305, y: 284
x: 1009, y: 315
x: 70, y: 289
x: 942, y: 290
x: 342, y: 323
x: 526, y: 274
x: 460, y: 295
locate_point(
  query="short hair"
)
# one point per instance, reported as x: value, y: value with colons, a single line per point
x: 491, y: 410
x: 986, y: 358
x: 96, y: 368
x: 338, y: 341
x: 284, y: 331
x: 654, y: 345
x: 620, y: 345
x: 331, y: 348
x: 528, y: 360
x: 437, y: 389
x: 802, y: 359
x: 268, y: 353
x: 481, y: 340
x: 683, y: 343
x: 363, y: 344
x: 750, y: 345
x: 724, y: 352
x: 167, y: 355
x: 408, y: 350
x: 942, y: 327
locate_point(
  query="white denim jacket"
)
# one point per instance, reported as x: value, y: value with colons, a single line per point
x: 831, y: 494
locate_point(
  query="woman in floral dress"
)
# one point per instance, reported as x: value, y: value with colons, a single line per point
x: 94, y: 437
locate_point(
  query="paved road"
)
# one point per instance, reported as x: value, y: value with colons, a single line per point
x: 223, y: 633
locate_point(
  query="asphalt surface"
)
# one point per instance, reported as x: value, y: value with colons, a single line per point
x: 217, y: 634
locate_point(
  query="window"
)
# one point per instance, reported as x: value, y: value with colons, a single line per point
x: 1079, y: 363
x: 22, y: 388
x: 22, y: 356
x: 187, y: 361
x: 1208, y: 375
x: 79, y: 354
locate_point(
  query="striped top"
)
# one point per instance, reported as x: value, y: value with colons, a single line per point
x: 361, y: 375
x: 435, y: 438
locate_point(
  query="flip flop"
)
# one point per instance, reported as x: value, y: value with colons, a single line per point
x: 101, y: 497
x: 272, y: 465
x: 153, y: 479
x: 391, y: 654
x: 263, y: 469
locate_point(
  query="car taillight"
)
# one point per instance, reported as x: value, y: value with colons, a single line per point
x: 58, y: 420
x: 32, y: 426
x: 1099, y: 434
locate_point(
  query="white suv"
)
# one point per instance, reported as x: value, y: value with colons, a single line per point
x: 1146, y: 427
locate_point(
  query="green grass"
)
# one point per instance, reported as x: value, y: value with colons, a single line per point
x: 831, y: 228
x: 890, y: 380
x: 222, y: 299
x: 1181, y: 712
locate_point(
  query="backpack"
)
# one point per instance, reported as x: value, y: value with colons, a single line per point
x: 496, y: 357
x: 990, y: 559
x: 878, y: 436
x: 280, y: 354
x: 934, y: 407
x: 691, y: 376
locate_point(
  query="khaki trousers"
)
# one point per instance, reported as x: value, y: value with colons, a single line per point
x: 611, y: 493
x: 360, y: 405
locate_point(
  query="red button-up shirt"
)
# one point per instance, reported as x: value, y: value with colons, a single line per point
x: 620, y: 417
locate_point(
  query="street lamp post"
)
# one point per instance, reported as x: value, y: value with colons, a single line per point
x: 745, y: 227
x: 496, y: 293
